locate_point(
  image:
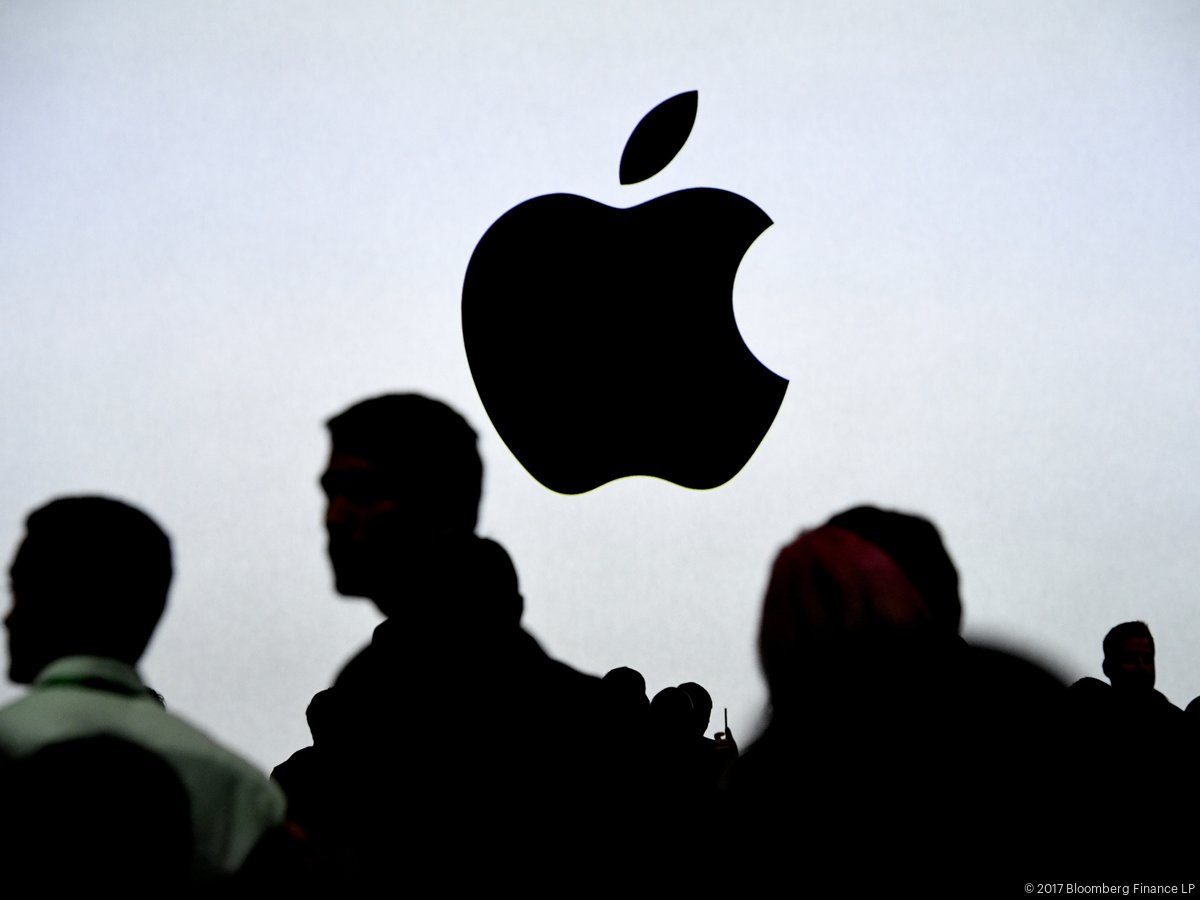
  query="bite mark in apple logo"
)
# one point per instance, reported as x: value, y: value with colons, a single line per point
x: 602, y: 340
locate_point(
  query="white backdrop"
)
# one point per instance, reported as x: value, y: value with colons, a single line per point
x: 222, y: 222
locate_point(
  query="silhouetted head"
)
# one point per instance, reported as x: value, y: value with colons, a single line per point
x: 701, y: 705
x: 1193, y: 711
x: 89, y: 578
x: 626, y: 684
x: 1129, y: 657
x: 671, y: 715
x: 623, y: 693
x: 869, y: 585
x: 404, y: 477
x: 324, y: 716
x: 914, y: 544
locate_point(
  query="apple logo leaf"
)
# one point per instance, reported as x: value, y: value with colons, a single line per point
x: 658, y: 137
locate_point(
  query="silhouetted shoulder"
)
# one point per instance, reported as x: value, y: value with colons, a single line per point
x: 1007, y: 678
x: 232, y: 803
x: 95, y: 814
x: 1089, y: 687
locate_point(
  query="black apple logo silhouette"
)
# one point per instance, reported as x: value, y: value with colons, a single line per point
x: 603, y: 342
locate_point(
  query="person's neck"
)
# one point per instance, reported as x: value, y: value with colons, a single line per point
x: 464, y: 586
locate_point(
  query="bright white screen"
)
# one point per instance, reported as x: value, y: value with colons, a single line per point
x: 224, y: 222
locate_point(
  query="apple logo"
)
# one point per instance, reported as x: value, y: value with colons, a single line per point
x: 602, y: 341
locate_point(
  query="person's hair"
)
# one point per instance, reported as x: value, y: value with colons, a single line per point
x: 1119, y: 634
x: 625, y: 680
x: 700, y: 697
x: 701, y: 704
x: 671, y: 713
x: 862, y: 587
x: 102, y: 567
x: 914, y: 544
x: 427, y: 448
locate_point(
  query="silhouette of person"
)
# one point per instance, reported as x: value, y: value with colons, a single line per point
x: 624, y: 739
x: 1130, y: 695
x: 627, y: 688
x: 1128, y: 754
x: 308, y: 803
x: 89, y: 585
x: 685, y: 769
x: 452, y: 719
x: 716, y: 753
x: 672, y: 719
x: 1129, y: 657
x: 702, y: 704
x: 892, y: 744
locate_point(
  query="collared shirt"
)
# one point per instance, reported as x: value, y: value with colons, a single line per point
x: 232, y: 803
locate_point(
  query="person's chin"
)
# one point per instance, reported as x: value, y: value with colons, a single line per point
x: 348, y: 586
x: 347, y: 572
x: 22, y: 672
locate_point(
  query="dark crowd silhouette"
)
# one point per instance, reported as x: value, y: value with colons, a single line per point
x: 453, y: 752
